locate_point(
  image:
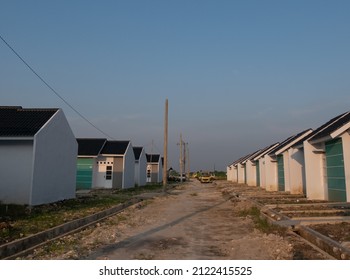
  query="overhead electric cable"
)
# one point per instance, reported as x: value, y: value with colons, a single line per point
x: 53, y: 90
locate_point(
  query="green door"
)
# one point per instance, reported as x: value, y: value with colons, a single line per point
x: 245, y: 174
x: 335, y: 170
x: 257, y: 173
x: 84, y: 173
x: 280, y: 171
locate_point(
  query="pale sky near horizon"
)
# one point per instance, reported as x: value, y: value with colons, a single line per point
x: 239, y: 75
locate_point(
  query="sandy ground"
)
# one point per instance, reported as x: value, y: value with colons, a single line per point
x: 194, y: 221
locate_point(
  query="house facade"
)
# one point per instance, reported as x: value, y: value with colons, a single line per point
x: 140, y: 166
x: 313, y: 162
x: 154, y: 172
x: 116, y: 166
x: 89, y: 150
x: 327, y: 160
x: 38, y: 156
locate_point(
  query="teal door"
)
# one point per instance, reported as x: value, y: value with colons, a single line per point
x: 280, y: 172
x: 335, y: 170
x: 84, y: 173
x: 257, y: 173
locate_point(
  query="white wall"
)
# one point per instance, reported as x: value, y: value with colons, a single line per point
x: 271, y: 173
x: 140, y: 170
x: 296, y: 171
x: 251, y: 173
x: 234, y: 174
x: 262, y: 173
x: 241, y: 175
x: 16, y: 166
x: 316, y: 185
x: 129, y: 168
x: 55, y: 155
x: 229, y: 171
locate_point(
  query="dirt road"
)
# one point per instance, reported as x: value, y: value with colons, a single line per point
x: 192, y: 221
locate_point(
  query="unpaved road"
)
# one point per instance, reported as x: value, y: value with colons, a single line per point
x: 193, y: 221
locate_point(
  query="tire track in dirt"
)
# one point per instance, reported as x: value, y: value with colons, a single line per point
x: 194, y: 222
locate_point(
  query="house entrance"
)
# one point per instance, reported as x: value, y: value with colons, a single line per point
x: 105, y: 175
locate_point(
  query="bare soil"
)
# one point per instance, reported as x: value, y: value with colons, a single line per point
x: 192, y: 221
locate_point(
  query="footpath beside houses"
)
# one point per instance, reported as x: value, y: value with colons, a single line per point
x: 38, y: 154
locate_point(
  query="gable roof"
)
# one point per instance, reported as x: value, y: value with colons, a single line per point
x: 264, y: 151
x: 152, y: 158
x: 325, y: 129
x: 291, y: 140
x: 16, y: 121
x: 137, y: 152
x: 331, y: 126
x: 115, y: 147
x: 90, y: 146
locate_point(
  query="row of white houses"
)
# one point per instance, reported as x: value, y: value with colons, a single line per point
x: 313, y: 162
x: 115, y: 164
x: 41, y: 161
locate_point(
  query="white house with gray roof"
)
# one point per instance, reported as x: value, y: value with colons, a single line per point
x: 140, y: 166
x: 327, y: 160
x: 38, y: 156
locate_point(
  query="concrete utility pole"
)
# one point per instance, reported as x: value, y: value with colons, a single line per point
x: 188, y: 162
x: 181, y: 158
x: 165, y: 167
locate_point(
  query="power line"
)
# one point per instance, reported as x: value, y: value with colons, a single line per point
x: 53, y: 90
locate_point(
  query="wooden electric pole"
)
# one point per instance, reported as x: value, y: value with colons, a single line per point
x: 165, y: 167
x: 181, y: 158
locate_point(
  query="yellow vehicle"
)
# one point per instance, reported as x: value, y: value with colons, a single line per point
x: 205, y: 178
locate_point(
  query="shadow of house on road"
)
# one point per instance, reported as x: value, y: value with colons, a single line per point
x: 109, y: 249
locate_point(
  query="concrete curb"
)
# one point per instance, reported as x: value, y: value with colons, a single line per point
x: 326, y: 244
x: 17, y: 247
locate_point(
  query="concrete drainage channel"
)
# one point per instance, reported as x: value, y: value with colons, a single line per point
x: 299, y: 214
x: 22, y: 246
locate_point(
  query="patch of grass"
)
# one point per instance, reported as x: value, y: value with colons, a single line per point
x: 17, y: 221
x: 261, y: 223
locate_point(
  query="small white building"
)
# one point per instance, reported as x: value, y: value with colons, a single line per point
x: 116, y: 165
x: 327, y: 160
x: 291, y: 173
x: 89, y: 150
x: 38, y: 153
x: 277, y: 165
x: 251, y: 171
x: 140, y: 166
x: 260, y: 165
x: 229, y: 172
x: 154, y: 168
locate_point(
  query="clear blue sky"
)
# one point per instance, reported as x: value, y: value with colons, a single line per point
x: 239, y: 75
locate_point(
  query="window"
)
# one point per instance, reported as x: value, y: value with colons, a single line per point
x: 108, y: 172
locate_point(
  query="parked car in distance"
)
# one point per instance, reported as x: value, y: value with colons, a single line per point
x: 205, y: 178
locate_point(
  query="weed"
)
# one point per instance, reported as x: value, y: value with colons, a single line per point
x: 17, y: 221
x: 261, y: 223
